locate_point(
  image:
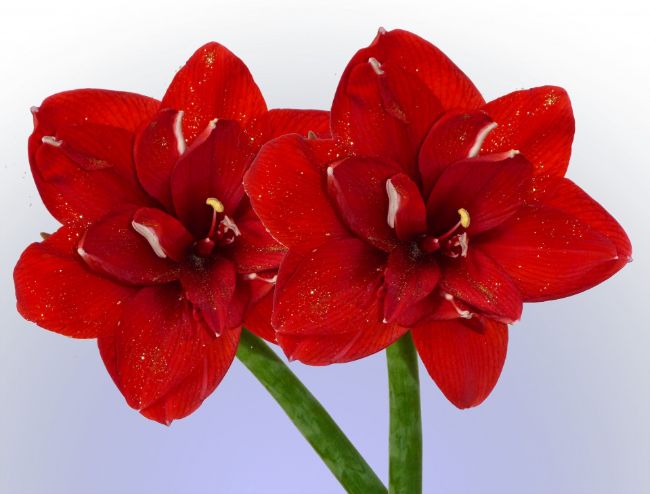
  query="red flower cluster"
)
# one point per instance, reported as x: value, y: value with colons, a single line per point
x: 160, y: 256
x: 416, y: 206
x: 431, y: 210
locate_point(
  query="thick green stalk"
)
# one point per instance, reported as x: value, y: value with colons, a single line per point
x: 405, y: 437
x: 309, y: 416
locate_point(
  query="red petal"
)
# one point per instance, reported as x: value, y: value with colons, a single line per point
x: 383, y: 112
x: 165, y: 234
x: 479, y: 281
x: 157, y: 148
x: 111, y: 246
x: 101, y: 123
x: 316, y: 298
x: 214, y: 83
x: 408, y: 280
x: 286, y: 187
x: 94, y: 106
x: 83, y: 171
x: 490, y: 191
x: 406, y: 210
x: 539, y: 123
x: 344, y: 347
x: 417, y: 56
x: 164, y: 360
x: 55, y: 290
x: 550, y: 254
x: 464, y: 362
x: 358, y: 186
x: 258, y: 318
x: 454, y: 137
x: 571, y: 199
x: 211, y: 289
x: 212, y: 168
x: 276, y: 123
x: 255, y: 250
x: 187, y: 396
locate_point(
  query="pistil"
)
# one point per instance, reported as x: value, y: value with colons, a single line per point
x: 430, y: 244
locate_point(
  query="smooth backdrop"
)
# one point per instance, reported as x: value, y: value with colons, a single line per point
x: 570, y: 414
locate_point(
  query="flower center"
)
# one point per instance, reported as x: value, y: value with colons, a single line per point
x: 452, y: 243
x: 223, y: 230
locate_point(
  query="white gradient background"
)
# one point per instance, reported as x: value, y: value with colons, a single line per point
x: 571, y: 413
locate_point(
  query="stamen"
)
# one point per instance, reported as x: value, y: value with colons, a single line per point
x: 465, y: 314
x: 464, y: 217
x: 216, y: 204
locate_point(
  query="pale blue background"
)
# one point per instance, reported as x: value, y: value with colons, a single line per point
x: 571, y: 411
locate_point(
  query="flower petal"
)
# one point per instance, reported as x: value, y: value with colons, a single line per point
x: 406, y: 210
x: 539, y: 123
x: 408, y: 279
x: 258, y: 318
x: 84, y: 171
x: 358, y: 187
x: 255, y: 249
x: 55, y: 290
x: 490, y: 191
x: 211, y: 288
x: 463, y: 360
x: 480, y: 282
x: 344, y: 347
x: 157, y: 149
x: 278, y: 122
x: 417, y: 56
x: 286, y: 187
x: 112, y: 246
x: 550, y: 254
x: 571, y: 199
x: 212, y: 168
x: 167, y: 236
x: 383, y: 111
x: 455, y: 136
x: 315, y: 298
x: 187, y: 396
x: 80, y: 177
x: 162, y: 358
x: 214, y: 83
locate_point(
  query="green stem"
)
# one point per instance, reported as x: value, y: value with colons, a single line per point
x: 309, y: 416
x: 405, y: 437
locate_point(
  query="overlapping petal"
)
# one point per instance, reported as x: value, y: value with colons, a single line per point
x: 409, y: 278
x: 112, y: 247
x: 286, y: 187
x: 315, y: 298
x: 483, y: 284
x: 214, y: 83
x: 79, y: 151
x: 164, y: 360
x: 156, y: 150
x: 537, y: 122
x: 455, y: 136
x: 358, y: 188
x: 550, y: 254
x: 489, y: 191
x: 56, y: 291
x: 211, y: 289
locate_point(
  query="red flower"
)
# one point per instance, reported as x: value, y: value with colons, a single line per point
x: 430, y: 210
x: 160, y: 256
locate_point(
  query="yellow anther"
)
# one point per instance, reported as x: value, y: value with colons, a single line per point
x: 464, y: 217
x: 216, y: 204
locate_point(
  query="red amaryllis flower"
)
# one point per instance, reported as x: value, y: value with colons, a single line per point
x: 428, y: 209
x: 160, y: 256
